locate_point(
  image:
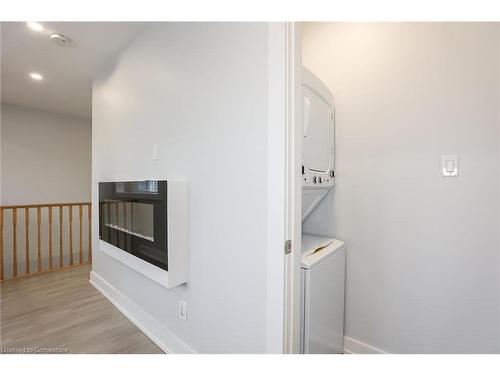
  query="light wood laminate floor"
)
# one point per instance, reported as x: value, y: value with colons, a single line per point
x: 62, y: 310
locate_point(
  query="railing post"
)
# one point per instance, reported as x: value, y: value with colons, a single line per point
x: 27, y: 239
x: 61, y: 256
x: 81, y: 232
x: 14, y: 242
x: 89, y: 213
x: 50, y: 237
x: 39, y: 240
x: 70, y: 207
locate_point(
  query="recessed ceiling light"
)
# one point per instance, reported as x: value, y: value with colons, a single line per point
x: 36, y: 76
x: 35, y: 26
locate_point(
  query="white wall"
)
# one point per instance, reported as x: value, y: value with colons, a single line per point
x: 200, y: 91
x: 45, y: 156
x: 498, y: 203
x: 422, y: 264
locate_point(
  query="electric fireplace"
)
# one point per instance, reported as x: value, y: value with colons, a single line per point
x: 146, y: 220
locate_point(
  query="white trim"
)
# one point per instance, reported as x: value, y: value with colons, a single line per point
x: 284, y: 205
x: 293, y: 185
x: 276, y: 215
x: 163, y: 337
x: 353, y: 346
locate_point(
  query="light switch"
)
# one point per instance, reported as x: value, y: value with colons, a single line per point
x: 155, y: 151
x: 449, y: 165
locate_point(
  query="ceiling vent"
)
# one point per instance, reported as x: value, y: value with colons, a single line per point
x: 61, y: 40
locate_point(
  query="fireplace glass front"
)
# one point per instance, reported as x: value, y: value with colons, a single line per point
x: 133, y: 217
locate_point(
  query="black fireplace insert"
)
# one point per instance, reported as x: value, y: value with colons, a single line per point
x: 133, y: 217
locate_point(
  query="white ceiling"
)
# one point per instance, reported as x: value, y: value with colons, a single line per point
x: 67, y: 71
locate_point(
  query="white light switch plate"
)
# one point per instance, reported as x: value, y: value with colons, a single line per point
x: 449, y: 165
x: 155, y: 151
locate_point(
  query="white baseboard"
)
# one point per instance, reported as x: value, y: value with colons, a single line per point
x: 353, y: 346
x: 161, y: 336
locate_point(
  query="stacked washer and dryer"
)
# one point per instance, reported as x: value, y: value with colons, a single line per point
x: 323, y: 258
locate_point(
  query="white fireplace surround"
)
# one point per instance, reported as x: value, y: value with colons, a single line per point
x: 177, y: 245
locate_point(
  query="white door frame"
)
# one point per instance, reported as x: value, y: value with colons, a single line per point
x: 294, y: 131
x: 284, y: 188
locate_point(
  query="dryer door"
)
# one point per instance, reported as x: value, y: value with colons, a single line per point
x: 319, y: 132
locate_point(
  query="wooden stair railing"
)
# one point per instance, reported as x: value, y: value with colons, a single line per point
x: 45, y: 247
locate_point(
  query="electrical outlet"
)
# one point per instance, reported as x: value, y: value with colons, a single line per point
x: 183, y: 310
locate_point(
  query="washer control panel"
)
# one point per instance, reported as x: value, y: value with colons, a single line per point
x: 317, y: 179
